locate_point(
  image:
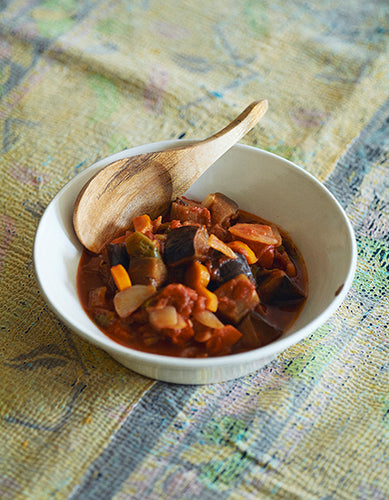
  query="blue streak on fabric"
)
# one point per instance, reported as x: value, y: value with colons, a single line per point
x: 368, y: 149
x: 133, y: 441
x: 79, y: 165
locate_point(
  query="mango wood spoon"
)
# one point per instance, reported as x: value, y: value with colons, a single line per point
x: 147, y: 183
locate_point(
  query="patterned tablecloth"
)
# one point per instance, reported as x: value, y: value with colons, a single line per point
x: 83, y: 79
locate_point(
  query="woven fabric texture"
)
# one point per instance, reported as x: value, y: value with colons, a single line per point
x: 82, y: 79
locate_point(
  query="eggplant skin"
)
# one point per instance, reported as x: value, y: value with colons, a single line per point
x: 188, y: 210
x: 185, y: 243
x: 279, y: 290
x: 147, y: 271
x: 233, y: 267
x: 258, y: 331
x: 222, y: 208
x: 237, y: 297
x: 228, y: 269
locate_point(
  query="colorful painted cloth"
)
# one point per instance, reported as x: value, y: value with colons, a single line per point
x: 83, y: 79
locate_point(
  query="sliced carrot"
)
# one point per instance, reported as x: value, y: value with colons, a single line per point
x: 156, y: 223
x: 119, y: 239
x: 120, y: 277
x: 197, y: 277
x: 242, y: 248
x: 142, y: 224
x: 212, y: 302
x: 207, y: 318
x: 217, y: 244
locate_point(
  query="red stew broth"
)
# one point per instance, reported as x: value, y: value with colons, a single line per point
x: 135, y: 332
x: 284, y: 316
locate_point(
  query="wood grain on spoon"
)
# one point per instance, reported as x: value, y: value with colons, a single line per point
x: 147, y: 183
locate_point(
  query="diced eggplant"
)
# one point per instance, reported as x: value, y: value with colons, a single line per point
x: 139, y: 245
x: 284, y: 262
x: 233, y: 267
x: 237, y: 297
x: 176, y: 274
x: 186, y: 210
x: 257, y: 332
x: 278, y: 289
x: 147, y: 271
x: 117, y: 254
x: 220, y: 231
x: 146, y: 265
x: 97, y: 297
x: 226, y: 269
x: 260, y: 274
x: 104, y: 318
x: 222, y: 208
x: 186, y: 243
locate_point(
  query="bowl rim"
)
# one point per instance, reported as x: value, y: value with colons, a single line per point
x: 272, y: 349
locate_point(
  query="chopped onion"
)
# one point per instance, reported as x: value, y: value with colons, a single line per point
x: 207, y: 318
x: 165, y: 317
x: 181, y: 323
x: 208, y: 200
x: 127, y: 301
x: 203, y: 336
x: 219, y: 245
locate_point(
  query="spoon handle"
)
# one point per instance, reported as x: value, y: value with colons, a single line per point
x: 238, y: 128
x: 201, y: 155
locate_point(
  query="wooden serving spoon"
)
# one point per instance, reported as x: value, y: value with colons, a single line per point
x: 147, y: 183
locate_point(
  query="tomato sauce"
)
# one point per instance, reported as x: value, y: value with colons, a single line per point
x: 190, y: 297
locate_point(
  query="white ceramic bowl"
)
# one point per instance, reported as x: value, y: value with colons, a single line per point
x: 261, y: 183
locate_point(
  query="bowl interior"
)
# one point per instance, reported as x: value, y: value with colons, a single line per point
x: 259, y: 182
x: 285, y: 194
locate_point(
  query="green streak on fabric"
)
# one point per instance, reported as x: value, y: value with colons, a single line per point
x: 310, y: 365
x: 52, y: 29
x: 112, y: 26
x: 107, y: 95
x: 225, y: 430
x: 385, y: 411
x: 373, y: 255
x: 256, y: 17
x: 64, y: 5
x: 58, y: 18
x: 226, y: 433
x: 223, y: 474
x: 292, y: 153
x: 117, y: 142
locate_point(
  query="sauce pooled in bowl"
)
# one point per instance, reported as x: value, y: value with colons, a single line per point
x: 206, y: 279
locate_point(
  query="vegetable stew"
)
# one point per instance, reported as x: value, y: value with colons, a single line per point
x: 205, y: 279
